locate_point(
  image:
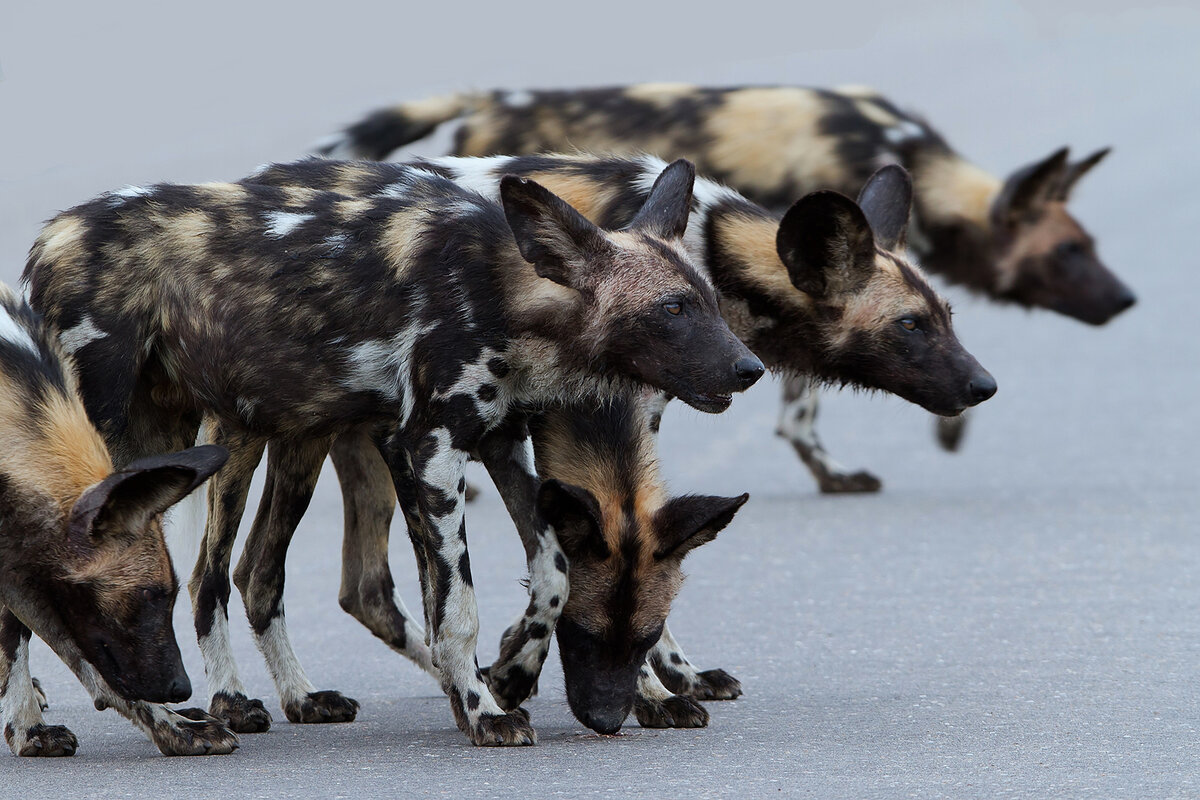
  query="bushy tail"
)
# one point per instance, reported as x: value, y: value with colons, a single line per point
x: 386, y: 129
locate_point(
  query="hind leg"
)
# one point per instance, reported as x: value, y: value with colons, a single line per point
x: 368, y: 591
x: 681, y: 677
x: 20, y: 700
x: 209, y: 586
x: 292, y: 471
x: 797, y: 419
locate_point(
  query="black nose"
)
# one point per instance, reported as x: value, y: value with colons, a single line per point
x: 180, y: 689
x: 981, y: 387
x: 603, y: 723
x: 749, y: 369
x: 1125, y: 300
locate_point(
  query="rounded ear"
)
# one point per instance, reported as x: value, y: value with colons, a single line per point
x: 1077, y: 170
x: 826, y: 243
x: 886, y: 200
x: 687, y: 522
x: 575, y: 516
x: 552, y: 236
x: 1029, y: 187
x: 127, y: 500
x: 665, y: 212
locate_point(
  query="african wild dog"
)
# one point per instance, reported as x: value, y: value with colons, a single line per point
x: 429, y: 314
x: 816, y: 292
x: 83, y: 563
x: 1012, y: 240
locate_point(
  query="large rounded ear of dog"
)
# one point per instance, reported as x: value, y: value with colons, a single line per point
x: 886, y: 199
x: 126, y: 500
x: 1077, y: 169
x: 687, y: 522
x: 1029, y: 188
x: 665, y: 212
x: 551, y: 235
x: 575, y: 516
x: 826, y: 244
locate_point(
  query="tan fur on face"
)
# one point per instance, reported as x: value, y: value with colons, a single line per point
x: 1036, y: 239
x: 768, y: 138
x: 885, y: 298
x: 121, y: 566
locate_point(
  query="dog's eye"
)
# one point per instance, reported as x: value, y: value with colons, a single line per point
x: 674, y: 309
x: 1069, y: 249
x: 909, y: 324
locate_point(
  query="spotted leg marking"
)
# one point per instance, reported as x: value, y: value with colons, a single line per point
x: 209, y: 586
x: 656, y: 707
x: 508, y: 456
x: 368, y: 592
x: 292, y: 471
x: 950, y: 431
x: 681, y: 677
x: 453, y: 615
x: 25, y: 730
x: 797, y: 419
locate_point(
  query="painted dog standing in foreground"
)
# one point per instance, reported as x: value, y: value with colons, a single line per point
x: 83, y: 563
x: 1013, y: 240
x: 819, y: 293
x: 292, y: 316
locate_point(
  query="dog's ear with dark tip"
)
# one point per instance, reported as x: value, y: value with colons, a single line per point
x: 886, y: 200
x: 555, y: 238
x: 1030, y: 188
x: 826, y: 243
x: 687, y: 522
x: 1077, y: 169
x: 665, y: 212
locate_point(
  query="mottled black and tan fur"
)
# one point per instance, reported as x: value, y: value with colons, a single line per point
x: 1013, y: 239
x: 428, y: 315
x: 849, y: 323
x: 83, y: 563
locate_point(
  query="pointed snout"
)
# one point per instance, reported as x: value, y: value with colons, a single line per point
x: 981, y: 387
x: 1125, y: 300
x: 606, y: 723
x: 748, y: 369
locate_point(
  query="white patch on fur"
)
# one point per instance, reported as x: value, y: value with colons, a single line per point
x: 291, y: 682
x: 76, y: 338
x: 473, y: 377
x: 385, y: 367
x: 220, y: 666
x: 649, y: 686
x: 120, y: 196
x: 480, y: 175
x: 797, y: 424
x: 902, y: 131
x: 281, y: 223
x: 518, y: 99
x: 14, y: 332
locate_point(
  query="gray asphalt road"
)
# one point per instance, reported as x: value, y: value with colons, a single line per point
x: 1019, y: 620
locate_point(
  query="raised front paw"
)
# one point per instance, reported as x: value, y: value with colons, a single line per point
x: 511, y: 685
x: 848, y: 482
x: 502, y: 730
x: 675, y: 711
x: 321, y: 707
x: 240, y: 713
x: 47, y: 741
x: 950, y: 431
x: 196, y: 734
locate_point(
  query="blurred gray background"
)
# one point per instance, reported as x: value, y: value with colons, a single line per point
x: 1018, y: 620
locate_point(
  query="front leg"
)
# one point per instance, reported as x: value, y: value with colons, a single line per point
x: 656, y: 707
x: 20, y: 704
x: 678, y: 674
x: 508, y: 456
x: 797, y: 419
x: 438, y: 468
